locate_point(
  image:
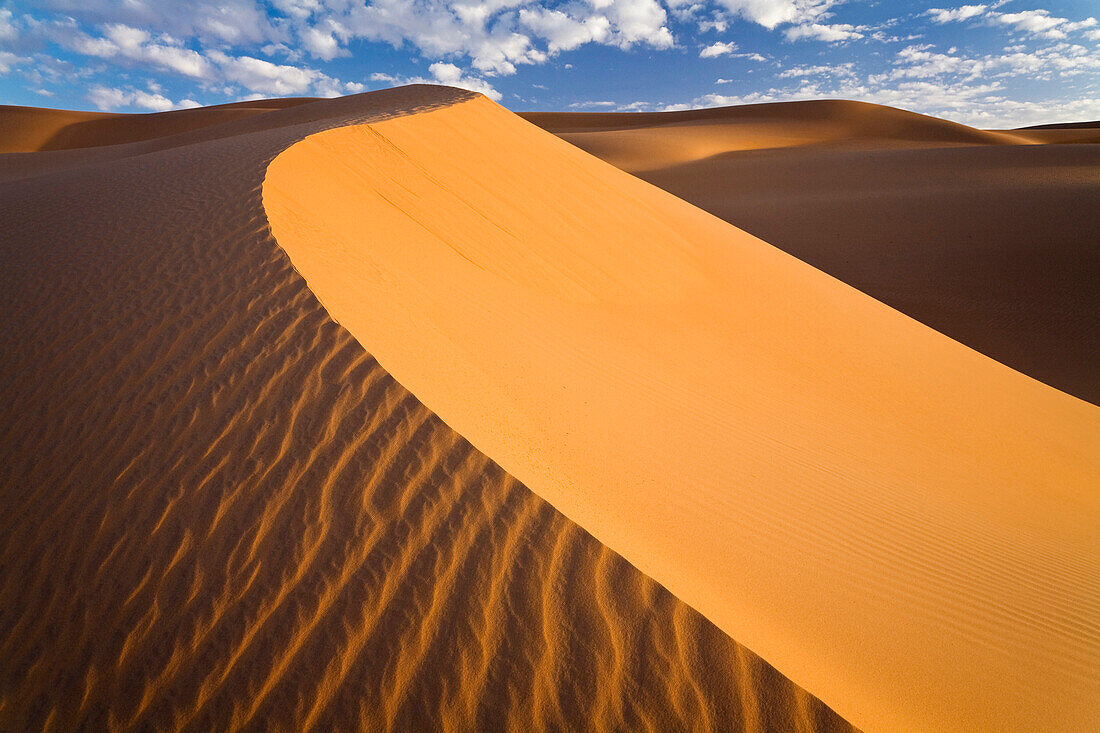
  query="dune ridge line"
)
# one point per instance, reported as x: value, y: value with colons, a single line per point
x: 903, y: 526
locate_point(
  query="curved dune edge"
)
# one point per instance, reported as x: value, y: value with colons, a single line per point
x: 221, y: 513
x: 902, y: 526
x: 988, y: 237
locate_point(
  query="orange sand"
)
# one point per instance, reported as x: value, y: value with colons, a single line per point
x: 219, y: 512
x: 985, y: 236
x: 901, y: 525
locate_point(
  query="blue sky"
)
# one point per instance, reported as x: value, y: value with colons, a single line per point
x: 996, y: 64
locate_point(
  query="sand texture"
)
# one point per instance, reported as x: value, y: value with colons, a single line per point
x: 220, y: 512
x: 986, y: 236
x: 903, y: 526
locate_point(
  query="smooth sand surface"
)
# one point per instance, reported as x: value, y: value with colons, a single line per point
x: 903, y: 526
x: 986, y: 236
x: 219, y: 512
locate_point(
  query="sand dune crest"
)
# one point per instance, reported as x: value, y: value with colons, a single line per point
x: 903, y: 526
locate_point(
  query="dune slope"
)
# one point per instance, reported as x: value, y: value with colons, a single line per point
x: 30, y: 129
x: 220, y: 513
x: 986, y: 236
x: 903, y: 526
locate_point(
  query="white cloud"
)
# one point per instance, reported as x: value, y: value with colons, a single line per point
x: 563, y: 32
x: 324, y: 43
x: 110, y: 99
x: 8, y: 31
x: 839, y: 70
x: 771, y: 13
x: 258, y: 75
x: 717, y: 49
x: 601, y: 103
x: 499, y: 35
x: 453, y: 76
x: 822, y: 32
x: 1063, y: 59
x: 9, y: 60
x: 1034, y: 21
x: 636, y: 21
x: 965, y: 12
x: 136, y: 45
x: 443, y: 73
x: 1042, y: 23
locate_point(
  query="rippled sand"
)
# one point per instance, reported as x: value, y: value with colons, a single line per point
x: 219, y: 511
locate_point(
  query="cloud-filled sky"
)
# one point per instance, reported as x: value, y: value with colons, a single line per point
x: 1001, y: 63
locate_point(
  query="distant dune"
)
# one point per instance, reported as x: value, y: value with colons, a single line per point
x: 32, y: 129
x: 219, y: 512
x: 986, y: 236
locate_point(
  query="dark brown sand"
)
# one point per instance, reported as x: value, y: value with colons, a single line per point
x: 219, y: 512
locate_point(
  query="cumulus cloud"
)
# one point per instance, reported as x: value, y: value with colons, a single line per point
x: 500, y: 35
x: 965, y: 12
x: 8, y: 31
x: 771, y: 13
x: 1035, y: 22
x: 1042, y: 23
x: 922, y: 62
x: 136, y: 45
x: 109, y: 99
x: 563, y: 32
x: 262, y: 76
x: 9, y: 60
x: 822, y: 32
x: 323, y: 41
x: 715, y: 50
x: 846, y: 70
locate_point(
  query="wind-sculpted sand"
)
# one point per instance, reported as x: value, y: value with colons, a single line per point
x: 219, y: 512
x: 903, y: 526
x: 986, y: 236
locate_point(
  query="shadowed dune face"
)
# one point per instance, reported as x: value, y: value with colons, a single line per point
x: 221, y: 513
x: 986, y: 236
x: 904, y: 527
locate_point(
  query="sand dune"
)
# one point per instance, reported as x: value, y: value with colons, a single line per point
x: 986, y: 236
x: 32, y: 129
x: 220, y: 512
x: 903, y: 526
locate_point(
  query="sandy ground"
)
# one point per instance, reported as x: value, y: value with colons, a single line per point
x: 986, y: 236
x: 903, y: 526
x: 220, y: 512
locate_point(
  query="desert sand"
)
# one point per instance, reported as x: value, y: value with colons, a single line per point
x: 986, y: 236
x: 904, y: 527
x: 396, y: 411
x: 220, y: 512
